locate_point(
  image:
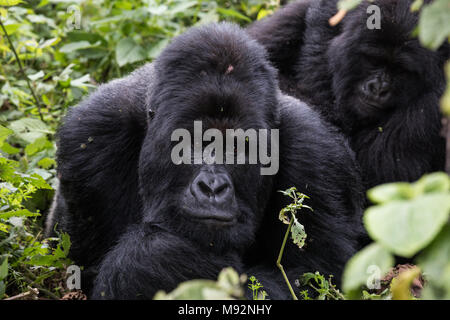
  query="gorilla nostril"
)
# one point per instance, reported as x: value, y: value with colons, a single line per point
x: 221, y: 189
x: 204, y: 188
x: 210, y: 186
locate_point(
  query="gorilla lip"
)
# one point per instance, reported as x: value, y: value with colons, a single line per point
x: 211, y: 218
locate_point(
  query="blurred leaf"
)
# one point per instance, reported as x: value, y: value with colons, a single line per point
x: 356, y: 270
x: 434, y: 26
x: 405, y: 227
x: 401, y: 285
x: 128, y: 51
x: 8, y: 3
x: 4, y: 133
x: 233, y: 13
x: 348, y: 5
x: 435, y: 262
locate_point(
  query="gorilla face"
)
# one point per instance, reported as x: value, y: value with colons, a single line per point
x: 218, y: 205
x: 378, y: 71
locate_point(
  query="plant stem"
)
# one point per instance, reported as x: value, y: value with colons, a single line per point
x: 279, y: 260
x: 22, y: 70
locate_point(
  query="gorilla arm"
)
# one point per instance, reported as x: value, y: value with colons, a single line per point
x: 148, y: 259
x: 98, y: 150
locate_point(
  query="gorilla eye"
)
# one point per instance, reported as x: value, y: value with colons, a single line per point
x: 151, y: 114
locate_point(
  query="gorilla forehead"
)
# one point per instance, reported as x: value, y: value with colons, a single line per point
x: 212, y: 68
x: 213, y: 49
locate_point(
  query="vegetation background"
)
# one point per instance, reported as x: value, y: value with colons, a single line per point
x: 54, y: 52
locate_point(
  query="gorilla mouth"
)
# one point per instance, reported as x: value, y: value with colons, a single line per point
x: 370, y: 104
x: 213, y: 216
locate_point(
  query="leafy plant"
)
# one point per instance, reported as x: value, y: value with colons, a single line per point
x: 296, y: 229
x: 407, y: 220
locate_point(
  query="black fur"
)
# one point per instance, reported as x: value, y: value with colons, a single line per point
x: 396, y: 139
x: 121, y: 197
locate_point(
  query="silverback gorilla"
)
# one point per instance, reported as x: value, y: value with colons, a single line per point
x: 380, y: 87
x: 139, y: 222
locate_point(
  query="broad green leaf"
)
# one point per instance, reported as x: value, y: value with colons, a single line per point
x: 128, y: 51
x: 73, y: 46
x: 348, y: 4
x: 401, y: 285
x: 434, y: 182
x: 46, y: 163
x: 4, y: 269
x: 38, y: 145
x: 391, y: 191
x: 434, y: 26
x: 157, y: 48
x: 8, y: 3
x: 9, y: 149
x: 38, y: 75
x: 17, y: 213
x: 29, y: 129
x: 435, y: 263
x: 227, y: 287
x: 405, y: 227
x: 4, y: 133
x: 233, y: 13
x: 416, y: 5
x: 445, y: 100
x: 298, y: 233
x: 357, y: 271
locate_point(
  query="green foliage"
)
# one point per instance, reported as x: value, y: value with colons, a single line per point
x: 298, y: 233
x: 227, y: 287
x: 294, y: 227
x: 30, y: 258
x: 434, y: 28
x: 407, y: 220
x: 323, y: 287
x: 255, y: 287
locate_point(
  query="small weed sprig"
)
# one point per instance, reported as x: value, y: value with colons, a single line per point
x: 294, y: 227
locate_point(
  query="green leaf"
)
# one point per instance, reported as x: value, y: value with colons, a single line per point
x: 29, y: 129
x: 17, y: 213
x: 128, y: 51
x: 233, y: 13
x: 405, y: 227
x: 9, y: 149
x: 356, y: 271
x: 298, y: 233
x: 4, y: 133
x: 416, y: 5
x: 70, y: 47
x: 46, y: 163
x: 348, y: 4
x: 8, y: 3
x: 38, y: 145
x: 434, y: 26
x: 4, y: 269
x: 390, y: 192
x: 434, y: 182
x: 435, y: 263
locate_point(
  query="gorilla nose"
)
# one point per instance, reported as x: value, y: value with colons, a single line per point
x: 378, y: 89
x: 208, y: 186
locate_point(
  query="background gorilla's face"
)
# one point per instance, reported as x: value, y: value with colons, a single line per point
x: 377, y: 71
x: 216, y: 205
